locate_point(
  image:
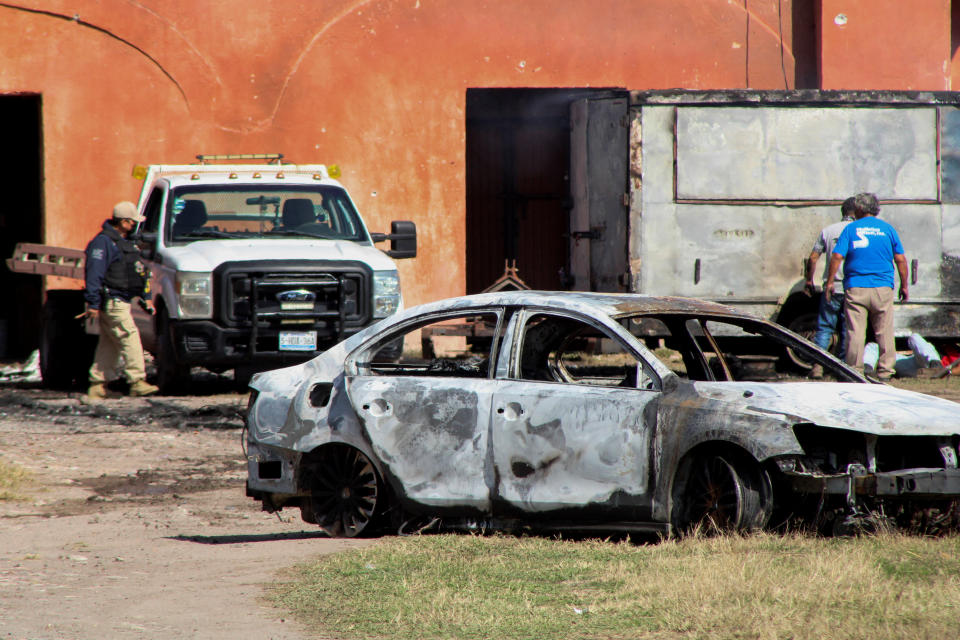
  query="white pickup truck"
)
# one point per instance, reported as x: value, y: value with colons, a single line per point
x: 255, y: 264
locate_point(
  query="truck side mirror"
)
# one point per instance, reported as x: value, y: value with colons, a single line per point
x: 402, y: 237
x: 147, y: 241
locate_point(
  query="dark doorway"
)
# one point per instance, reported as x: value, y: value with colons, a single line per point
x: 518, y: 186
x: 805, y: 34
x: 21, y: 215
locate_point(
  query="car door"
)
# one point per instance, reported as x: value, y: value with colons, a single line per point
x: 427, y: 413
x: 573, y: 424
x: 151, y: 226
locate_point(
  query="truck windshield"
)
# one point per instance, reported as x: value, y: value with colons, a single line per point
x: 241, y: 211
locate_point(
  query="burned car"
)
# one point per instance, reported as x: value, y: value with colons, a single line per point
x: 588, y: 411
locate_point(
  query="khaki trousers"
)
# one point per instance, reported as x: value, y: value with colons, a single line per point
x: 119, y: 338
x: 873, y: 305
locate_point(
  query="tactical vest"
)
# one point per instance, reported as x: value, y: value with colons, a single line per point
x: 127, y: 274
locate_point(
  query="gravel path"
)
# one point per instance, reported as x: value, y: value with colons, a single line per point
x: 134, y: 523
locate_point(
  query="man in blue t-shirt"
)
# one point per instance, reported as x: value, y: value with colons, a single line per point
x: 869, y: 248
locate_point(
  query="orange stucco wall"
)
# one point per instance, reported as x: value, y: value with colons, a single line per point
x: 376, y: 86
x: 885, y: 44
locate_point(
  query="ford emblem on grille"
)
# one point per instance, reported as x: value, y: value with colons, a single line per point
x: 296, y: 295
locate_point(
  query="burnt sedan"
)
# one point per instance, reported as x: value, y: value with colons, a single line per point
x: 584, y: 411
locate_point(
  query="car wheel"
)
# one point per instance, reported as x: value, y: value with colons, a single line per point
x: 716, y: 495
x: 345, y: 492
x: 172, y: 377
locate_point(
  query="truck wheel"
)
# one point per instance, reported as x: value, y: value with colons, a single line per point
x: 804, y: 325
x: 66, y: 351
x: 242, y: 376
x: 172, y: 377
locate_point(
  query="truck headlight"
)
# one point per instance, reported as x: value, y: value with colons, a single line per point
x: 386, y: 293
x: 193, y: 293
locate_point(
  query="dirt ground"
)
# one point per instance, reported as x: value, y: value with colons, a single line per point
x: 134, y: 523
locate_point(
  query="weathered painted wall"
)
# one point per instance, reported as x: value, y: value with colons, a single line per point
x: 765, y: 205
x: 785, y: 153
x: 885, y: 44
x: 377, y: 86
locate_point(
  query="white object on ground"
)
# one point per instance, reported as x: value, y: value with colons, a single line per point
x: 29, y: 371
x: 923, y: 355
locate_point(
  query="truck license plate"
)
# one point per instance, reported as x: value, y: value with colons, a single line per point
x: 298, y: 340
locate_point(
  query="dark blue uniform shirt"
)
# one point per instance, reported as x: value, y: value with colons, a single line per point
x: 101, y: 253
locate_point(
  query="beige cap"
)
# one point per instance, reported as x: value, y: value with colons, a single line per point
x: 127, y: 210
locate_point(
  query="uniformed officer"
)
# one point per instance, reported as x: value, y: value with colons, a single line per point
x: 115, y: 276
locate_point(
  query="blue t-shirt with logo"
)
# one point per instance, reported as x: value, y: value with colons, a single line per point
x: 868, y: 246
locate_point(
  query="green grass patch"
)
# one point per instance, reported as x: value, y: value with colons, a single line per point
x: 12, y: 478
x: 763, y: 586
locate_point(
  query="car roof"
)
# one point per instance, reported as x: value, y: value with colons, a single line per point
x: 611, y: 304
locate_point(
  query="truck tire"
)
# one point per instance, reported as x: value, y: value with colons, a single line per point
x: 172, y: 377
x: 242, y: 376
x: 66, y: 350
x: 804, y: 325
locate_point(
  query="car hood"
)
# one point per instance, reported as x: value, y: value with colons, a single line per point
x: 867, y: 408
x: 207, y: 255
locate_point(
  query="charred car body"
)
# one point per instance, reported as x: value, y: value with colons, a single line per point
x: 555, y: 413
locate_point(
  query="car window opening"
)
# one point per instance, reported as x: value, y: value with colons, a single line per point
x: 566, y: 350
x: 457, y: 347
x: 719, y: 349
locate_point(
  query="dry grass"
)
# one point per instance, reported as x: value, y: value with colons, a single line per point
x: 764, y: 586
x: 948, y: 388
x: 11, y: 478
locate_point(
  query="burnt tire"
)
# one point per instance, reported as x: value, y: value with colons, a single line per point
x: 66, y: 350
x: 346, y: 494
x: 720, y: 494
x: 172, y: 377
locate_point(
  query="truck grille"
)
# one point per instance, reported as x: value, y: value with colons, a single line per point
x: 288, y: 297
